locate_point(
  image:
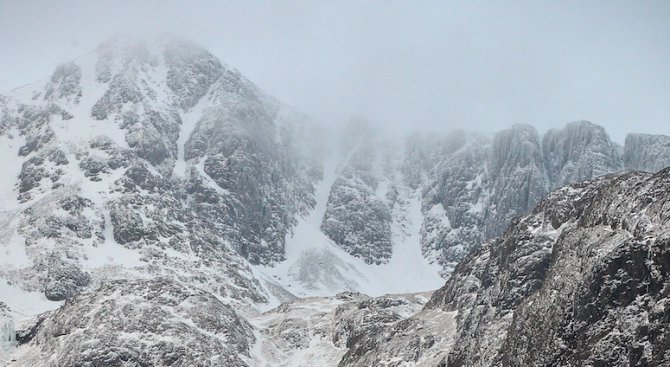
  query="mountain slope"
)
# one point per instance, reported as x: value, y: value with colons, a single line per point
x: 580, y: 280
x: 579, y: 152
x: 153, y: 198
x: 318, y: 265
x: 147, y: 159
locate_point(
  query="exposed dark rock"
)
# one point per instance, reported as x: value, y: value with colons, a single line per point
x: 191, y: 71
x: 64, y: 279
x: 575, y: 282
x: 517, y: 176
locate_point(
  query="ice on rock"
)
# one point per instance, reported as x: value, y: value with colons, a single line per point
x: 644, y: 152
x: 7, y: 334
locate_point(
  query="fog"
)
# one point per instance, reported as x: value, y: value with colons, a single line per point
x: 429, y: 65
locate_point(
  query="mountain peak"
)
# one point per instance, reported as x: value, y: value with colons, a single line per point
x: 187, y: 69
x: 579, y: 151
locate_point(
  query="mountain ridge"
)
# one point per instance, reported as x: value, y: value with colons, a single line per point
x: 154, y: 166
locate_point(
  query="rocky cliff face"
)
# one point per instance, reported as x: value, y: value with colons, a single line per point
x: 455, y: 197
x: 154, y: 322
x: 649, y: 153
x: 358, y: 217
x: 580, y: 280
x: 578, y: 152
x: 151, y: 156
x: 481, y: 185
x: 517, y: 178
x: 151, y: 177
x: 471, y: 185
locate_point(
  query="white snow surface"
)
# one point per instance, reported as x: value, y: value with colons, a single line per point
x: 110, y: 252
x: 73, y: 137
x: 189, y: 121
x: 12, y: 249
x: 10, y: 166
x: 316, y: 266
x: 25, y: 304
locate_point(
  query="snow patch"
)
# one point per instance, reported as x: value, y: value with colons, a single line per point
x: 23, y: 303
x: 10, y: 167
x: 316, y: 266
x: 189, y: 121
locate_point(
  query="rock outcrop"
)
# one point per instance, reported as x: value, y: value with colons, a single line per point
x: 150, y: 196
x: 139, y: 323
x: 477, y: 186
x: 644, y: 152
x: 579, y: 281
x: 580, y: 151
x: 357, y: 218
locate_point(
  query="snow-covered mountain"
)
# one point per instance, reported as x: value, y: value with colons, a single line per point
x: 582, y: 280
x: 146, y: 160
x: 154, y: 202
x: 150, y: 155
x: 480, y: 183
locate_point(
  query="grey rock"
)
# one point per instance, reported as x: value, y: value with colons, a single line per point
x: 251, y: 164
x: 579, y: 151
x: 649, y: 153
x: 583, y: 274
x: 93, y: 165
x: 480, y: 186
x: 460, y: 189
x: 65, y: 83
x: 517, y: 176
x: 356, y: 219
x: 378, y: 331
x: 64, y: 279
x: 141, y: 323
x: 266, y: 183
x: 191, y: 71
x: 576, y: 265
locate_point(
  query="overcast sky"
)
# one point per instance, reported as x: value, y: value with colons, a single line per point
x: 433, y: 64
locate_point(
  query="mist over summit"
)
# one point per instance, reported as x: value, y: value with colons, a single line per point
x: 159, y: 208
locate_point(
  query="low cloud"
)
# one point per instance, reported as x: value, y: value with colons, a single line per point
x: 405, y: 65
